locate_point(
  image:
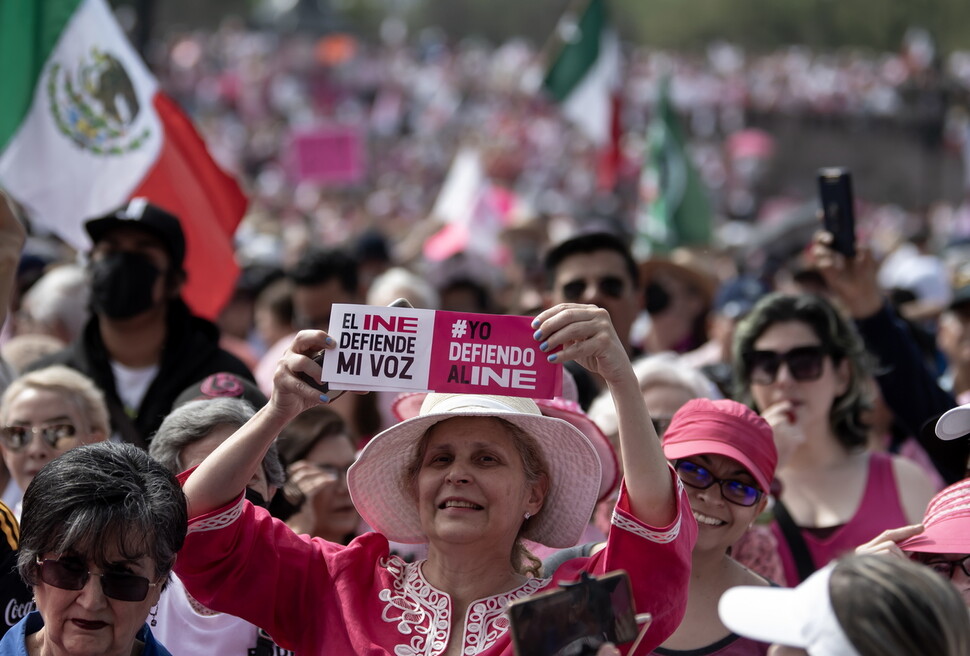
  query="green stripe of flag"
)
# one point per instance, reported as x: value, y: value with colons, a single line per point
x: 29, y: 30
x: 578, y: 52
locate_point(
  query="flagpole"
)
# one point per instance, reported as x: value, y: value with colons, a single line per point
x: 552, y: 41
x: 144, y: 12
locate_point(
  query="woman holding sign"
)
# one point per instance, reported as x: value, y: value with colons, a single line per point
x: 470, y: 475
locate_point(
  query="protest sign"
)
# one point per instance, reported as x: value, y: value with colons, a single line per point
x: 328, y: 155
x: 408, y: 350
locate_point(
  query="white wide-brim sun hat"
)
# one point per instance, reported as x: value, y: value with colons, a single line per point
x: 794, y: 617
x: 379, y: 490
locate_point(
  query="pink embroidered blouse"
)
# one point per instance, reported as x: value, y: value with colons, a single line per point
x: 316, y: 597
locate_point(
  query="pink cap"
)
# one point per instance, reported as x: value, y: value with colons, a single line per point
x: 726, y: 428
x: 947, y: 523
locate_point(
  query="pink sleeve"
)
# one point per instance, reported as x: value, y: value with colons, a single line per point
x: 657, y: 560
x: 240, y: 560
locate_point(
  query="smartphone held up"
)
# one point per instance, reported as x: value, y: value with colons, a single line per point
x: 577, y: 618
x: 838, y: 210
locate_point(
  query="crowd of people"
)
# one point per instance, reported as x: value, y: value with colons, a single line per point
x: 777, y: 456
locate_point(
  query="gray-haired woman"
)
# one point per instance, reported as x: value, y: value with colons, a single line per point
x: 193, y: 430
x: 188, y: 434
x: 100, y: 529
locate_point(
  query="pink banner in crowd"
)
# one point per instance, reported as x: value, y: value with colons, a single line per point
x: 327, y: 155
x: 409, y: 350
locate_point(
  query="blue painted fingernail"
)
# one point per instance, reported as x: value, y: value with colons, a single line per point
x: 553, y: 357
x: 535, y: 323
x: 543, y: 346
x: 325, y: 398
x: 330, y: 341
x: 537, y: 335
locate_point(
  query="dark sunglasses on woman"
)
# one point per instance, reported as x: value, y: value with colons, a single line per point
x: 734, y: 491
x: 804, y: 363
x: 70, y: 574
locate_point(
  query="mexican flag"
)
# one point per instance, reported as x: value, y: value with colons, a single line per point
x: 584, y: 75
x: 673, y: 209
x: 83, y: 128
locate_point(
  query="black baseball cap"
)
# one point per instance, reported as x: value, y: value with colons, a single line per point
x: 140, y: 213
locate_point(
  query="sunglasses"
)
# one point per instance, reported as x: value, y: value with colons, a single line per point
x: 16, y: 438
x: 946, y: 568
x: 609, y: 286
x: 804, y: 363
x: 71, y: 575
x: 738, y: 493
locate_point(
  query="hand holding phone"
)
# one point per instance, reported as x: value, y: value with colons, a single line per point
x: 838, y: 211
x: 575, y: 619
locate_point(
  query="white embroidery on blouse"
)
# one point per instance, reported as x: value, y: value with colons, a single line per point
x: 216, y: 522
x: 660, y: 537
x: 422, y: 613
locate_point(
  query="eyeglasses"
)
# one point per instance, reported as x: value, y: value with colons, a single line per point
x: 804, y: 363
x: 17, y: 437
x: 609, y: 286
x: 68, y: 575
x: 946, y: 568
x: 333, y: 470
x: 738, y: 493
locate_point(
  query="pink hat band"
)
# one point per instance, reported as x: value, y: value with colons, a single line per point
x: 947, y: 523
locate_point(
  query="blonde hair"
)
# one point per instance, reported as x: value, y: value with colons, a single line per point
x: 74, y: 386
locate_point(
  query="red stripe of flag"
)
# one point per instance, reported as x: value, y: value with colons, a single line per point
x: 187, y: 182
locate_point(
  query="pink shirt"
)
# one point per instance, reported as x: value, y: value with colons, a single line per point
x: 316, y: 597
x: 880, y: 509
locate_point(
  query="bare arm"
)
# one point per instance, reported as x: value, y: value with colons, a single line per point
x: 587, y: 336
x: 12, y: 238
x: 223, y: 475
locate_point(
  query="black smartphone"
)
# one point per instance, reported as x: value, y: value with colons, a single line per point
x: 838, y: 211
x: 576, y: 618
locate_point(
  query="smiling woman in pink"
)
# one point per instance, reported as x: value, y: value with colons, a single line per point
x: 801, y: 364
x: 471, y: 476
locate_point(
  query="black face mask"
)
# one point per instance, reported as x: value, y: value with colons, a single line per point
x: 122, y: 284
x: 255, y: 498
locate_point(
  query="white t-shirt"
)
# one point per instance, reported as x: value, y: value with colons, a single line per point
x: 186, y: 632
x: 132, y: 384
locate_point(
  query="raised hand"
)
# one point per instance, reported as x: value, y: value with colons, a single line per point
x: 585, y: 335
x: 853, y: 280
x: 297, y: 369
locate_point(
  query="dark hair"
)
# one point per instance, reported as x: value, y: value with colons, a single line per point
x: 194, y: 421
x: 307, y: 429
x: 589, y: 243
x: 318, y: 266
x: 478, y: 291
x: 895, y: 607
x: 100, y: 496
x: 838, y: 337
